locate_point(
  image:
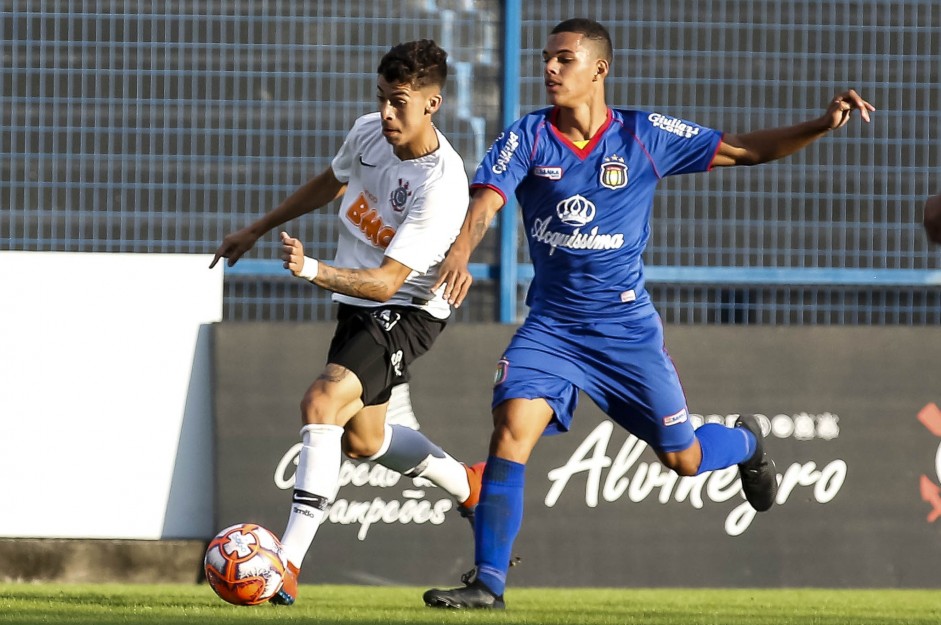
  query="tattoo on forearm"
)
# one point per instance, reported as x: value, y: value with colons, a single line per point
x: 354, y: 282
x: 478, y: 230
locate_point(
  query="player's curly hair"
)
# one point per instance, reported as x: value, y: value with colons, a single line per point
x: 590, y: 29
x: 416, y: 63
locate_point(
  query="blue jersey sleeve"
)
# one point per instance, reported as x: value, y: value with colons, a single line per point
x: 676, y: 146
x: 507, y: 161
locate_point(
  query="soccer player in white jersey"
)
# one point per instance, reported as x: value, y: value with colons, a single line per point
x: 404, y: 196
x: 584, y: 175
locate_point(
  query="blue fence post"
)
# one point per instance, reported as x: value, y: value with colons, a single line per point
x: 509, y: 280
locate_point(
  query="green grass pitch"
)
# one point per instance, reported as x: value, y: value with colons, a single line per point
x: 196, y: 604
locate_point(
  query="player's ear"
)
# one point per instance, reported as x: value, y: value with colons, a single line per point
x: 433, y: 104
x: 601, y: 68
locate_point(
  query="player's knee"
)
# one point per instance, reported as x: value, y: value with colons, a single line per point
x: 315, y: 409
x: 308, y: 408
x: 510, y: 445
x: 683, y: 465
x: 687, y: 469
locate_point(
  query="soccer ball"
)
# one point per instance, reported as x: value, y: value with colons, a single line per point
x: 245, y: 564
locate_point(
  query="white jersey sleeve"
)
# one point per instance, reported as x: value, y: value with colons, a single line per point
x: 342, y: 164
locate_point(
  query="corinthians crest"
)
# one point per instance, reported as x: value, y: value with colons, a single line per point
x: 613, y: 172
x: 400, y: 196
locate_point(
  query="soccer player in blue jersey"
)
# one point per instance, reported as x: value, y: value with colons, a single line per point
x: 584, y: 175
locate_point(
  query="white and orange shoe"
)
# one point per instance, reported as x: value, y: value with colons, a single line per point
x: 475, y: 474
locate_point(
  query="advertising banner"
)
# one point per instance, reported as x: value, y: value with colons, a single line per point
x: 851, y: 418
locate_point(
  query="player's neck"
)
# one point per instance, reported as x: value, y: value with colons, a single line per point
x: 423, y: 145
x: 581, y: 122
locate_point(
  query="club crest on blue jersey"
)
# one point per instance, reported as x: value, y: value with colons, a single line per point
x: 400, y: 196
x: 575, y: 210
x: 613, y: 172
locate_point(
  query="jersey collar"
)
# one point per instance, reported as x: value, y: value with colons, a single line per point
x: 581, y: 153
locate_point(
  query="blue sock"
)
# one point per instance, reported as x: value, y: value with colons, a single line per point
x: 497, y: 520
x: 723, y: 446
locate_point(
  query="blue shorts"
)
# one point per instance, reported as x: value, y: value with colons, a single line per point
x: 622, y: 366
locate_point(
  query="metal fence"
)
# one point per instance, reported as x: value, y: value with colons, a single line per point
x: 130, y: 126
x: 133, y: 126
x: 850, y: 202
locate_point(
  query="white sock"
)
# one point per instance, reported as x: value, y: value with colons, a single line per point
x: 410, y: 453
x: 315, y: 486
x: 400, y: 410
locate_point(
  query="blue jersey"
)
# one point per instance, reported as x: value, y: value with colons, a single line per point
x: 586, y: 211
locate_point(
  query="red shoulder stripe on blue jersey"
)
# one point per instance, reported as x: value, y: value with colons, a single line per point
x: 647, y: 154
x: 536, y: 135
x: 488, y: 186
x: 581, y: 153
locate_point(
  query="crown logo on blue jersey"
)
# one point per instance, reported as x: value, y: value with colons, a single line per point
x: 575, y: 210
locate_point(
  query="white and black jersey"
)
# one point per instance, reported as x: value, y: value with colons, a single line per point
x: 410, y: 211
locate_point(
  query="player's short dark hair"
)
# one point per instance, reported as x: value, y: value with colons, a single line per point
x: 416, y: 63
x: 590, y: 29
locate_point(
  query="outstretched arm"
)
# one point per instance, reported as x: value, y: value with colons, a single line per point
x: 484, y: 205
x: 377, y: 283
x: 762, y: 146
x: 317, y: 192
x: 932, y: 218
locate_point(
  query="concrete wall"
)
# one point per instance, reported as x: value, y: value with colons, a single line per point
x: 858, y: 465
x: 854, y: 428
x: 99, y: 561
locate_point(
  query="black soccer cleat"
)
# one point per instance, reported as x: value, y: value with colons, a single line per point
x: 759, y: 477
x: 474, y: 595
